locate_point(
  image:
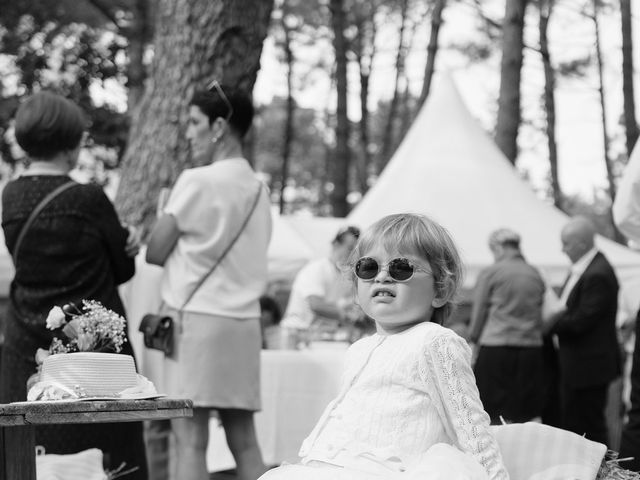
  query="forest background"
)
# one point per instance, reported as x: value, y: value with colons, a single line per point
x: 552, y: 81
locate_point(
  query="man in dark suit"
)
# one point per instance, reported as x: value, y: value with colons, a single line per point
x: 589, y: 355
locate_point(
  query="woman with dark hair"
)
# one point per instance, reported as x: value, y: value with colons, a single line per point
x: 75, y: 249
x: 212, y: 240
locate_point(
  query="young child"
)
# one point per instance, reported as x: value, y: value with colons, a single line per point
x: 408, y: 407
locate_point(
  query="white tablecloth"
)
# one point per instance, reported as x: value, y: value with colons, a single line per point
x: 296, y: 387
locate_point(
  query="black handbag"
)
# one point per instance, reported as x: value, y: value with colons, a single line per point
x: 158, y: 328
x: 158, y: 332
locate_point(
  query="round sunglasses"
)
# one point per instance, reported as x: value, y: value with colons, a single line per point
x: 400, y: 269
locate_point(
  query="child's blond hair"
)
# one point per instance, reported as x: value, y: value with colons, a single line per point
x: 417, y: 234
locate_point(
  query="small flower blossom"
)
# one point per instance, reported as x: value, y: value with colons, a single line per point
x: 55, y: 319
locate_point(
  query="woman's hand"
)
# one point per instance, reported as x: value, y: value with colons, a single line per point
x: 133, y: 240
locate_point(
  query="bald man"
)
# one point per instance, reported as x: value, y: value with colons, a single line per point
x: 589, y: 355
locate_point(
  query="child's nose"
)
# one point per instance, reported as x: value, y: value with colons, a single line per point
x: 383, y: 275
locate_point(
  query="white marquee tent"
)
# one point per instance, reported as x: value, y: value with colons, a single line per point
x: 288, y: 251
x: 449, y: 169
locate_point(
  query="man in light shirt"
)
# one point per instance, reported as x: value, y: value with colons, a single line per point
x: 322, y: 292
x: 589, y: 355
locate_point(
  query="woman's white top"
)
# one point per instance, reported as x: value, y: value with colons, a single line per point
x: 210, y: 204
x: 402, y: 394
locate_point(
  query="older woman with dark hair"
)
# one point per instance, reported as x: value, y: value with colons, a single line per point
x: 212, y: 241
x: 74, y: 249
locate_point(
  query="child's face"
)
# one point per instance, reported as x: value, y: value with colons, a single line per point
x: 396, y: 306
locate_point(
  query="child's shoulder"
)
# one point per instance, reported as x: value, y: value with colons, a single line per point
x: 435, y: 342
x: 431, y: 330
x: 432, y: 335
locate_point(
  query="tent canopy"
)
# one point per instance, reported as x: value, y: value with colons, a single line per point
x: 450, y: 170
x: 288, y: 251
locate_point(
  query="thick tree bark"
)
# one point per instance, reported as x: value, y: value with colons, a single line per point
x: 138, y: 35
x: 630, y: 123
x: 195, y: 41
x: 508, y: 121
x: 432, y: 50
x: 342, y: 154
x: 546, y: 7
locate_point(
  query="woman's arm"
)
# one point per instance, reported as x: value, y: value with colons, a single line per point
x: 163, y: 239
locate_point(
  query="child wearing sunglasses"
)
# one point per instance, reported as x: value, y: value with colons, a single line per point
x: 408, y: 407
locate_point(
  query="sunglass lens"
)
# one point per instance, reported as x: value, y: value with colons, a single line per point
x: 366, y: 268
x: 400, y: 269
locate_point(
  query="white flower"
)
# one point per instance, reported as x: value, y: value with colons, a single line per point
x: 55, y: 319
x: 41, y: 354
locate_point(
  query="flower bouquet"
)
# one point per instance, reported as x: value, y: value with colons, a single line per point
x: 91, y: 328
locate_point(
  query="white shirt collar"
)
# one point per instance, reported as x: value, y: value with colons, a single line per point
x: 577, y: 269
x: 583, y: 262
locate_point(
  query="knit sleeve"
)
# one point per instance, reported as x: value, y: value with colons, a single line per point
x: 453, y: 389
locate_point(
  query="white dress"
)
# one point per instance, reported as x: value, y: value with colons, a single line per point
x: 408, y: 408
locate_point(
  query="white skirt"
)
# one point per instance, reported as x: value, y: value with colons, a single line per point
x: 216, y: 361
x: 440, y: 462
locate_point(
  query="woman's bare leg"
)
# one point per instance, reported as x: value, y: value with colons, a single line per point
x: 191, y: 439
x: 241, y: 438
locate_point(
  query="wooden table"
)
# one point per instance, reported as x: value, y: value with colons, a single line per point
x: 17, y: 421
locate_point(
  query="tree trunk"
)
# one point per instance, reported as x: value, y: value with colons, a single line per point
x: 389, y: 131
x: 342, y: 154
x: 630, y: 123
x: 195, y: 41
x: 288, y: 129
x: 365, y: 51
x: 605, y: 138
x: 432, y: 50
x: 510, y: 70
x: 363, y: 173
x: 138, y: 35
x: 546, y: 7
x: 603, y: 110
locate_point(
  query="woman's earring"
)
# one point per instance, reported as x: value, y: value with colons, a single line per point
x: 215, y: 139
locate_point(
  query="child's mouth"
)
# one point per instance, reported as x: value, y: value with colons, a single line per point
x: 383, y: 293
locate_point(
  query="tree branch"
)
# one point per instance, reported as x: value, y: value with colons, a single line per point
x: 489, y: 21
x: 103, y: 7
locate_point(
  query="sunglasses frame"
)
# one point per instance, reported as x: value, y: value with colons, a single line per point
x: 415, y: 268
x: 215, y: 85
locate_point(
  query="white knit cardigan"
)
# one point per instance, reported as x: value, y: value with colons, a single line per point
x: 400, y: 395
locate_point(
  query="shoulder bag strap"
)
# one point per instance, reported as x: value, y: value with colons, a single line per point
x: 226, y: 250
x: 36, y: 211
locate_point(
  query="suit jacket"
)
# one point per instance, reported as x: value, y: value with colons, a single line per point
x: 589, y: 354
